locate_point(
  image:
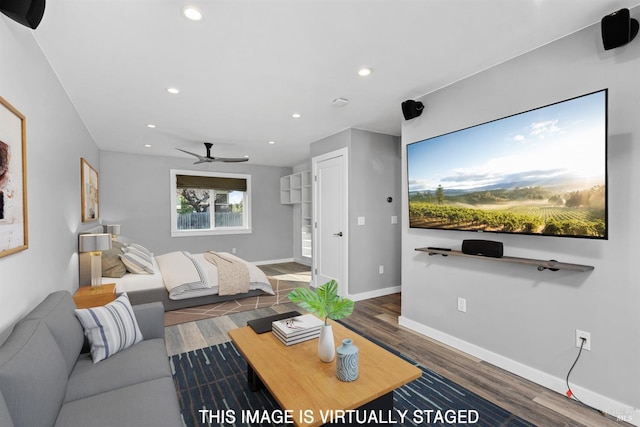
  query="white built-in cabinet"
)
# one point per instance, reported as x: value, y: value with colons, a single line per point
x: 296, y: 188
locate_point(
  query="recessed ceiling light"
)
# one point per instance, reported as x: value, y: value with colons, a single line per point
x: 151, y: 126
x: 147, y: 145
x: 296, y: 115
x: 272, y: 142
x: 192, y: 12
x: 173, y: 90
x: 364, y: 72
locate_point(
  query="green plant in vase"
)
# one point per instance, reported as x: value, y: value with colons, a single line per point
x: 324, y: 302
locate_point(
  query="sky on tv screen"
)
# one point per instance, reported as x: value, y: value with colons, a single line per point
x: 562, y: 144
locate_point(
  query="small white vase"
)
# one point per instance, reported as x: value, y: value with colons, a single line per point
x: 326, y: 344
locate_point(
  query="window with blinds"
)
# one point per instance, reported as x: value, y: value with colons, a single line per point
x: 210, y: 203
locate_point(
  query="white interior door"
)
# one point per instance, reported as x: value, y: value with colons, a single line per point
x: 330, y: 219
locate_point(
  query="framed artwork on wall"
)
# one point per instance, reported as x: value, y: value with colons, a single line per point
x: 13, y: 180
x: 89, y: 194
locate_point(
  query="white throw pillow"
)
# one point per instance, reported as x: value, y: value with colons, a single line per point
x: 110, y: 328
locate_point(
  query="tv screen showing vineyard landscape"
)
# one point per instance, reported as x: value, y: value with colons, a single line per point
x: 541, y: 172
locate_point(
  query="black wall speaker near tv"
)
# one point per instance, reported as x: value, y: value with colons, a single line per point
x: 27, y: 12
x: 482, y: 247
x: 412, y: 109
x: 618, y: 29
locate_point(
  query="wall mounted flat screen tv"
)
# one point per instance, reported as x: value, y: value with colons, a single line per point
x: 540, y: 172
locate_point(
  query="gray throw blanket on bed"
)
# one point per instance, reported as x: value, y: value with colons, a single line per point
x: 233, y: 275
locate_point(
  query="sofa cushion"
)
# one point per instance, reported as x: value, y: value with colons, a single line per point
x: 150, y: 317
x: 142, y: 362
x: 56, y: 310
x: 33, y: 375
x: 5, y: 418
x: 152, y: 403
x: 110, y: 328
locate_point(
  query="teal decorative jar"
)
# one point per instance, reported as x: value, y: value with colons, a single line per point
x: 347, y: 361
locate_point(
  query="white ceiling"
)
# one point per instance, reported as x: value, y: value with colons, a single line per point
x: 249, y: 64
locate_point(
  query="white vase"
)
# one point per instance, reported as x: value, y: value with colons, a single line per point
x: 326, y: 344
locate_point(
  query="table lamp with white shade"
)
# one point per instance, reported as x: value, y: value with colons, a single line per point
x: 95, y: 244
x: 114, y: 230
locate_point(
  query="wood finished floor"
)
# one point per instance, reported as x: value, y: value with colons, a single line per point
x: 378, y: 318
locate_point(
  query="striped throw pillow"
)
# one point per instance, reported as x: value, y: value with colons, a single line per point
x: 137, y: 263
x: 110, y: 328
x: 138, y: 247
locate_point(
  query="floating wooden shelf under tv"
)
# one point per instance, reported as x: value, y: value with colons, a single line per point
x: 540, y: 264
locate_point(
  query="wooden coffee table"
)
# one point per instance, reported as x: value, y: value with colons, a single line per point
x: 299, y: 381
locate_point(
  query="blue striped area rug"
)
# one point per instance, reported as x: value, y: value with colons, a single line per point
x: 212, y: 389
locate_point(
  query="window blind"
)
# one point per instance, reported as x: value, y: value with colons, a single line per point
x: 211, y: 182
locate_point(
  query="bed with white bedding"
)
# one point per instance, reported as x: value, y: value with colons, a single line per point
x: 181, y: 279
x: 143, y: 288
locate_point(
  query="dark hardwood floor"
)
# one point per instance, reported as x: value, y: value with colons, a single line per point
x: 378, y: 318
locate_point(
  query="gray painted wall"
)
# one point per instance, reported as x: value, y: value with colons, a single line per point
x: 135, y: 193
x: 521, y: 316
x: 374, y: 175
x: 56, y: 139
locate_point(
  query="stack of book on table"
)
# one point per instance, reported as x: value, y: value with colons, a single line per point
x: 297, y: 329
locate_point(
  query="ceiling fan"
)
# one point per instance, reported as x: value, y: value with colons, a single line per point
x: 209, y: 159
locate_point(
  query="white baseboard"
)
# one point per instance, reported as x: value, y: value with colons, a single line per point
x: 273, y: 261
x: 303, y: 261
x: 619, y: 410
x: 377, y: 293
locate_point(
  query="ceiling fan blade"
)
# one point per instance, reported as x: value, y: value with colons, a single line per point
x: 203, y: 161
x: 231, y: 159
x: 200, y: 158
x: 208, y: 158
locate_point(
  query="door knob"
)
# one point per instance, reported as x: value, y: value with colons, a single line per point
x: 338, y: 234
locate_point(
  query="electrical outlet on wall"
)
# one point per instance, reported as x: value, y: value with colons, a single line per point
x: 462, y: 305
x: 587, y: 336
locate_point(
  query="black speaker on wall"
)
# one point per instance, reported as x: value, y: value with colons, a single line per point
x: 618, y: 29
x: 27, y: 12
x: 412, y: 109
x: 482, y: 247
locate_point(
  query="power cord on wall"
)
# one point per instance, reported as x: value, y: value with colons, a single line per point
x: 570, y: 394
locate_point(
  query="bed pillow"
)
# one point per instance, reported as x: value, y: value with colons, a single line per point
x: 139, y: 248
x: 112, y: 265
x: 111, y: 328
x: 143, y: 255
x: 137, y: 263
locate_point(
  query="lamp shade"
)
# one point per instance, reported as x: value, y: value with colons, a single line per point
x: 95, y: 242
x: 113, y: 229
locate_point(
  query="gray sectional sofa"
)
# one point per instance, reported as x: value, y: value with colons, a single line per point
x: 46, y: 379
